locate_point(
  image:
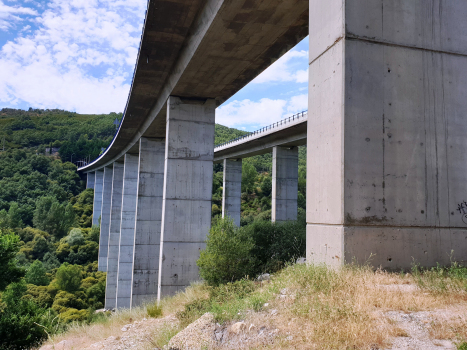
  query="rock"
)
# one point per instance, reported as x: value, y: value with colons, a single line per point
x: 266, y: 305
x: 238, y: 327
x: 301, y: 261
x: 198, y: 335
x: 289, y: 338
x: 126, y: 327
x: 264, y: 277
x: 99, y: 311
x: 274, y: 312
x: 284, y: 291
x: 219, y: 336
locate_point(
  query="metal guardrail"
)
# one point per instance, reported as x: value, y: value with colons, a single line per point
x: 269, y: 127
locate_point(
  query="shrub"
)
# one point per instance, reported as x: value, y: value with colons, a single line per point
x: 154, y: 310
x: 9, y: 272
x: 68, y: 277
x: 227, y: 255
x: 36, y: 274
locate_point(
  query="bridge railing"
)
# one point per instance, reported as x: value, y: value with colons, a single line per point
x: 293, y: 118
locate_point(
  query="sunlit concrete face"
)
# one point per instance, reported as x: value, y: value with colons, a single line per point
x: 232, y: 190
x: 114, y: 236
x: 284, y: 183
x: 148, y: 220
x: 186, y: 206
x: 386, y: 133
x: 105, y: 218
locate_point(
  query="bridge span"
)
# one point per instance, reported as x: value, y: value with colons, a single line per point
x: 386, y: 135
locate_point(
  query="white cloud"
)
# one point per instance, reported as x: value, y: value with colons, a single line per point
x: 283, y: 69
x: 260, y: 113
x: 77, y: 59
x: 10, y: 14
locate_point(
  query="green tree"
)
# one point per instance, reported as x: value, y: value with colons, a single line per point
x: 266, y: 186
x: 36, y: 274
x: 249, y: 175
x: 9, y: 272
x: 14, y: 216
x: 68, y: 277
x: 227, y: 254
x: 53, y: 217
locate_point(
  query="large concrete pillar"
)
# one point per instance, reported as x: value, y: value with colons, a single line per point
x: 114, y: 236
x: 232, y: 189
x: 387, y: 166
x: 186, y: 208
x: 98, y: 187
x: 148, y: 220
x: 90, y: 179
x: 127, y: 232
x: 284, y: 183
x: 105, y: 218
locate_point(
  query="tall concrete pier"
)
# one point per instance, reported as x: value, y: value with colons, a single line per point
x: 105, y: 218
x: 90, y: 179
x: 114, y: 236
x: 186, y: 206
x: 284, y: 183
x: 127, y: 231
x: 232, y: 190
x: 386, y: 132
x: 148, y: 220
x: 98, y: 187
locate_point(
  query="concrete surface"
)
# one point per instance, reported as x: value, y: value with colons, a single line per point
x: 90, y: 179
x: 105, y: 218
x: 127, y: 232
x: 148, y: 220
x: 284, y: 183
x: 114, y: 236
x: 386, y: 132
x: 97, y: 204
x: 186, y: 206
x: 232, y: 190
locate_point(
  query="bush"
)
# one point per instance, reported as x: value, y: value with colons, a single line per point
x: 227, y: 255
x: 68, y: 277
x: 154, y: 311
x: 36, y: 274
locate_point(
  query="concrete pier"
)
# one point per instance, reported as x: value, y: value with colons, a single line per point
x: 148, y: 220
x: 284, y: 183
x: 105, y: 218
x: 387, y: 160
x: 90, y: 179
x: 97, y: 205
x: 186, y: 208
x: 127, y: 232
x: 232, y: 189
x: 114, y: 236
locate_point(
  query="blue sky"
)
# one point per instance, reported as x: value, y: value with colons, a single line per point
x: 79, y: 55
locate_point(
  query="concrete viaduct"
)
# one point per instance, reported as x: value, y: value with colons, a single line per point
x: 385, y: 135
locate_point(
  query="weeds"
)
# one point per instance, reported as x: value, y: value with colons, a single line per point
x: 441, y: 279
x: 154, y: 310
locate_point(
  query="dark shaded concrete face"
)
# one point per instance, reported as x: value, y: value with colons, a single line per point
x: 202, y: 49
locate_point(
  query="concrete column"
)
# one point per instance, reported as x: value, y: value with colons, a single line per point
x: 387, y: 160
x: 98, y: 187
x: 90, y: 179
x: 186, y: 208
x: 114, y: 236
x: 127, y: 232
x: 284, y: 183
x: 232, y: 189
x: 148, y: 220
x: 105, y: 218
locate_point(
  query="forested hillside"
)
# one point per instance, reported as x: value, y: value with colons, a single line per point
x: 48, y: 248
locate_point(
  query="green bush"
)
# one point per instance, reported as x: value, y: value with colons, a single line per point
x: 154, y: 310
x: 68, y: 277
x: 9, y: 271
x: 36, y: 274
x: 227, y: 255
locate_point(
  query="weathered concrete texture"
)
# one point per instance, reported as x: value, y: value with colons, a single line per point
x: 114, y: 236
x: 148, y: 220
x: 105, y: 218
x: 90, y: 179
x: 186, y: 208
x: 284, y: 183
x: 232, y: 190
x: 97, y: 205
x: 127, y: 232
x: 387, y: 165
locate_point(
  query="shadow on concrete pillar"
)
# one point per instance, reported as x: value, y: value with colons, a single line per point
x: 127, y: 232
x: 232, y: 190
x: 186, y: 208
x: 105, y: 218
x: 387, y: 160
x: 284, y: 183
x: 148, y: 220
x: 90, y: 179
x: 96, y: 213
x: 114, y: 236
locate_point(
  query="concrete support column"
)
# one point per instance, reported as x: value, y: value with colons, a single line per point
x: 97, y: 206
x: 90, y: 179
x: 232, y: 189
x: 127, y: 232
x: 284, y: 183
x: 387, y: 160
x: 186, y: 208
x: 148, y: 220
x: 105, y: 218
x: 114, y: 236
